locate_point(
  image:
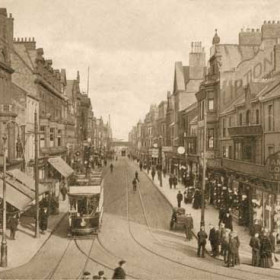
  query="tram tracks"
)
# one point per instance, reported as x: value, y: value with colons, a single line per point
x: 178, y: 262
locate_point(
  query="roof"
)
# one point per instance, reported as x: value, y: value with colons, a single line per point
x: 84, y: 190
x: 61, y: 166
x: 238, y: 101
x: 179, y: 77
x: 271, y: 92
x: 194, y: 120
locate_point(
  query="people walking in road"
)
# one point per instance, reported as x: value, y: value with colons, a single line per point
x: 255, y: 244
x: 13, y: 222
x: 136, y: 176
x: 100, y: 275
x: 225, y: 245
x: 111, y: 167
x: 179, y: 198
x: 173, y: 218
x: 153, y: 173
x: 266, y: 251
x: 119, y: 272
x: 134, y: 184
x: 43, y: 219
x: 189, y: 227
x: 170, y: 181
x: 164, y: 171
x: 201, y: 240
x: 175, y: 181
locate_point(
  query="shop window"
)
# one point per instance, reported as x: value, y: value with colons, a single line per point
x: 257, y: 116
x: 270, y: 118
x: 225, y: 152
x: 210, y: 104
x: 210, y: 138
x: 247, y: 153
x: 51, y: 137
x: 59, y: 138
x: 42, y: 136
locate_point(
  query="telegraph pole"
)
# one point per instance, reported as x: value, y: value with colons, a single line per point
x: 36, y: 175
x: 202, y: 222
x: 4, y: 248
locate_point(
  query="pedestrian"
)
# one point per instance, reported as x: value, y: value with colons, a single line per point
x: 136, y: 176
x: 201, y: 240
x: 255, y: 245
x: 196, y: 199
x: 213, y: 240
x: 63, y: 192
x: 100, y: 275
x: 173, y: 218
x: 13, y: 226
x: 225, y: 245
x: 141, y: 165
x: 232, y: 250
x: 164, y: 171
x: 119, y: 272
x: 86, y: 275
x: 222, y: 213
x: 189, y: 227
x: 105, y: 162
x: 153, y: 173
x: 170, y: 181
x: 179, y: 198
x: 175, y: 181
x: 222, y: 233
x: 227, y: 220
x: 266, y: 251
x: 43, y: 218
x: 111, y: 167
x: 134, y: 184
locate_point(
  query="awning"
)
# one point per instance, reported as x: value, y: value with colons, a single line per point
x: 17, y: 194
x: 61, y: 166
x: 26, y: 180
x: 84, y: 190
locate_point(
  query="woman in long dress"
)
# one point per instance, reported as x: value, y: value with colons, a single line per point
x: 266, y: 251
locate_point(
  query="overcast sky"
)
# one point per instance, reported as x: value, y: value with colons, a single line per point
x: 130, y: 45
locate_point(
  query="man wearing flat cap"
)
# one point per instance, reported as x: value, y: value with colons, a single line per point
x: 119, y: 272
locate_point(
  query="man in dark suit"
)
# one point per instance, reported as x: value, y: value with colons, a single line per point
x: 201, y: 240
x: 119, y: 272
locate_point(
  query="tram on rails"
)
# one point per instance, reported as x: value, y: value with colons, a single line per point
x: 85, y: 209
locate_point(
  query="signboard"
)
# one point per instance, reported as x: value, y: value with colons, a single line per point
x: 273, y: 166
x: 167, y: 148
x: 155, y: 153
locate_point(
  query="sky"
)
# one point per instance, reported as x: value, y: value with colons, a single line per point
x: 130, y: 46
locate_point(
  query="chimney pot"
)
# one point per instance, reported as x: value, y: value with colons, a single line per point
x: 269, y: 22
x: 264, y: 22
x: 273, y: 21
x: 253, y: 30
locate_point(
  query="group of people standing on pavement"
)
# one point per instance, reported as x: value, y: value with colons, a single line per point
x: 263, y: 249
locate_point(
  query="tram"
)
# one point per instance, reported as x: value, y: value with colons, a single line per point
x: 85, y: 209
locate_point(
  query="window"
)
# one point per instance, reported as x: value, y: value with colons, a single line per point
x: 51, y: 137
x: 270, y: 150
x: 229, y: 122
x: 257, y: 116
x: 230, y: 152
x: 225, y: 152
x: 210, y: 104
x: 248, y: 117
x: 240, y: 119
x: 224, y: 128
x: 270, y: 118
x: 210, y: 138
x: 42, y: 136
x: 237, y: 148
x: 202, y: 110
x: 59, y: 138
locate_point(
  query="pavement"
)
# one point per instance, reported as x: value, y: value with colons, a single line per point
x: 211, y: 216
x: 23, y: 249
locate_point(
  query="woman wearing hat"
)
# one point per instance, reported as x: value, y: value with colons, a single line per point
x: 119, y: 272
x: 266, y: 251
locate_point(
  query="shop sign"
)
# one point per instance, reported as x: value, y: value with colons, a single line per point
x: 155, y: 153
x: 167, y: 148
x: 273, y: 166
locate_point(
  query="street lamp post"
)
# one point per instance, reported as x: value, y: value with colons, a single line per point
x: 4, y: 248
x: 160, y: 160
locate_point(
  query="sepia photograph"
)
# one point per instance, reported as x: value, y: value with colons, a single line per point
x: 140, y: 139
